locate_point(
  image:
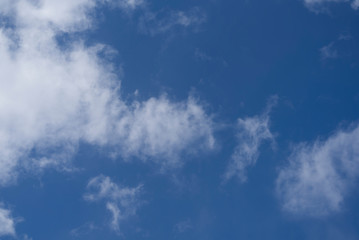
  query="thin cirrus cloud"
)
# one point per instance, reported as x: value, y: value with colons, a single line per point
x: 321, y: 5
x: 328, y: 52
x: 53, y: 98
x: 251, y: 132
x: 154, y: 23
x: 320, y: 175
x: 335, y: 48
x: 7, y: 223
x: 122, y: 202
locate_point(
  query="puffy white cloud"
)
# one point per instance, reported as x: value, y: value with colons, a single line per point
x: 122, y: 202
x: 161, y: 129
x: 53, y: 97
x: 251, y: 132
x: 66, y: 15
x: 7, y: 223
x: 320, y: 175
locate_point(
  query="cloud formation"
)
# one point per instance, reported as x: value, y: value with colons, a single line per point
x: 336, y: 48
x: 122, y: 202
x: 321, y: 5
x: 251, y: 132
x: 355, y: 4
x: 54, y: 96
x: 328, y: 52
x: 160, y: 22
x: 320, y: 175
x: 7, y: 223
x: 67, y: 15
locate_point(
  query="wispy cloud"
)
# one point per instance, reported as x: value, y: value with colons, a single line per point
x: 202, y: 55
x: 162, y: 129
x: 129, y: 4
x: 183, y: 226
x: 328, y: 52
x: 318, y: 6
x: 333, y: 50
x: 164, y: 21
x: 355, y: 4
x: 320, y: 175
x: 251, y: 132
x: 122, y: 202
x: 52, y: 98
x: 84, y: 229
x: 7, y: 223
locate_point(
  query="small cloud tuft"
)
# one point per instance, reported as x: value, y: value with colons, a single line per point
x: 122, y: 202
x: 251, y: 132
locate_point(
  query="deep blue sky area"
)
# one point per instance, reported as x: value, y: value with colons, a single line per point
x: 232, y: 59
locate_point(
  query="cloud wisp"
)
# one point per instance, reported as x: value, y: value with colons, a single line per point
x: 320, y: 174
x: 336, y: 48
x: 122, y: 202
x: 251, y: 132
x: 154, y: 23
x: 328, y: 52
x: 319, y: 6
x: 7, y: 223
x: 53, y: 97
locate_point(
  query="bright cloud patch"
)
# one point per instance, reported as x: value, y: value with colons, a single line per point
x: 251, y: 132
x: 162, y: 129
x: 320, y: 175
x: 54, y: 98
x: 7, y: 224
x: 355, y: 4
x: 122, y: 202
x: 66, y: 15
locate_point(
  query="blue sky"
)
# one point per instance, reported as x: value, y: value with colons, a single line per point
x: 140, y: 119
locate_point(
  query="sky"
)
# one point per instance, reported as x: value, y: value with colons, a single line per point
x: 179, y: 120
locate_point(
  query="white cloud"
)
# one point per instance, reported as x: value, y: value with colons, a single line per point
x: 84, y: 229
x: 122, y: 202
x: 26, y: 237
x: 130, y: 4
x: 155, y: 23
x: 251, y: 132
x: 53, y: 98
x: 320, y: 175
x: 328, y: 52
x: 65, y: 15
x: 162, y: 129
x: 321, y: 5
x: 116, y: 213
x: 334, y: 49
x: 355, y: 4
x: 7, y: 223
